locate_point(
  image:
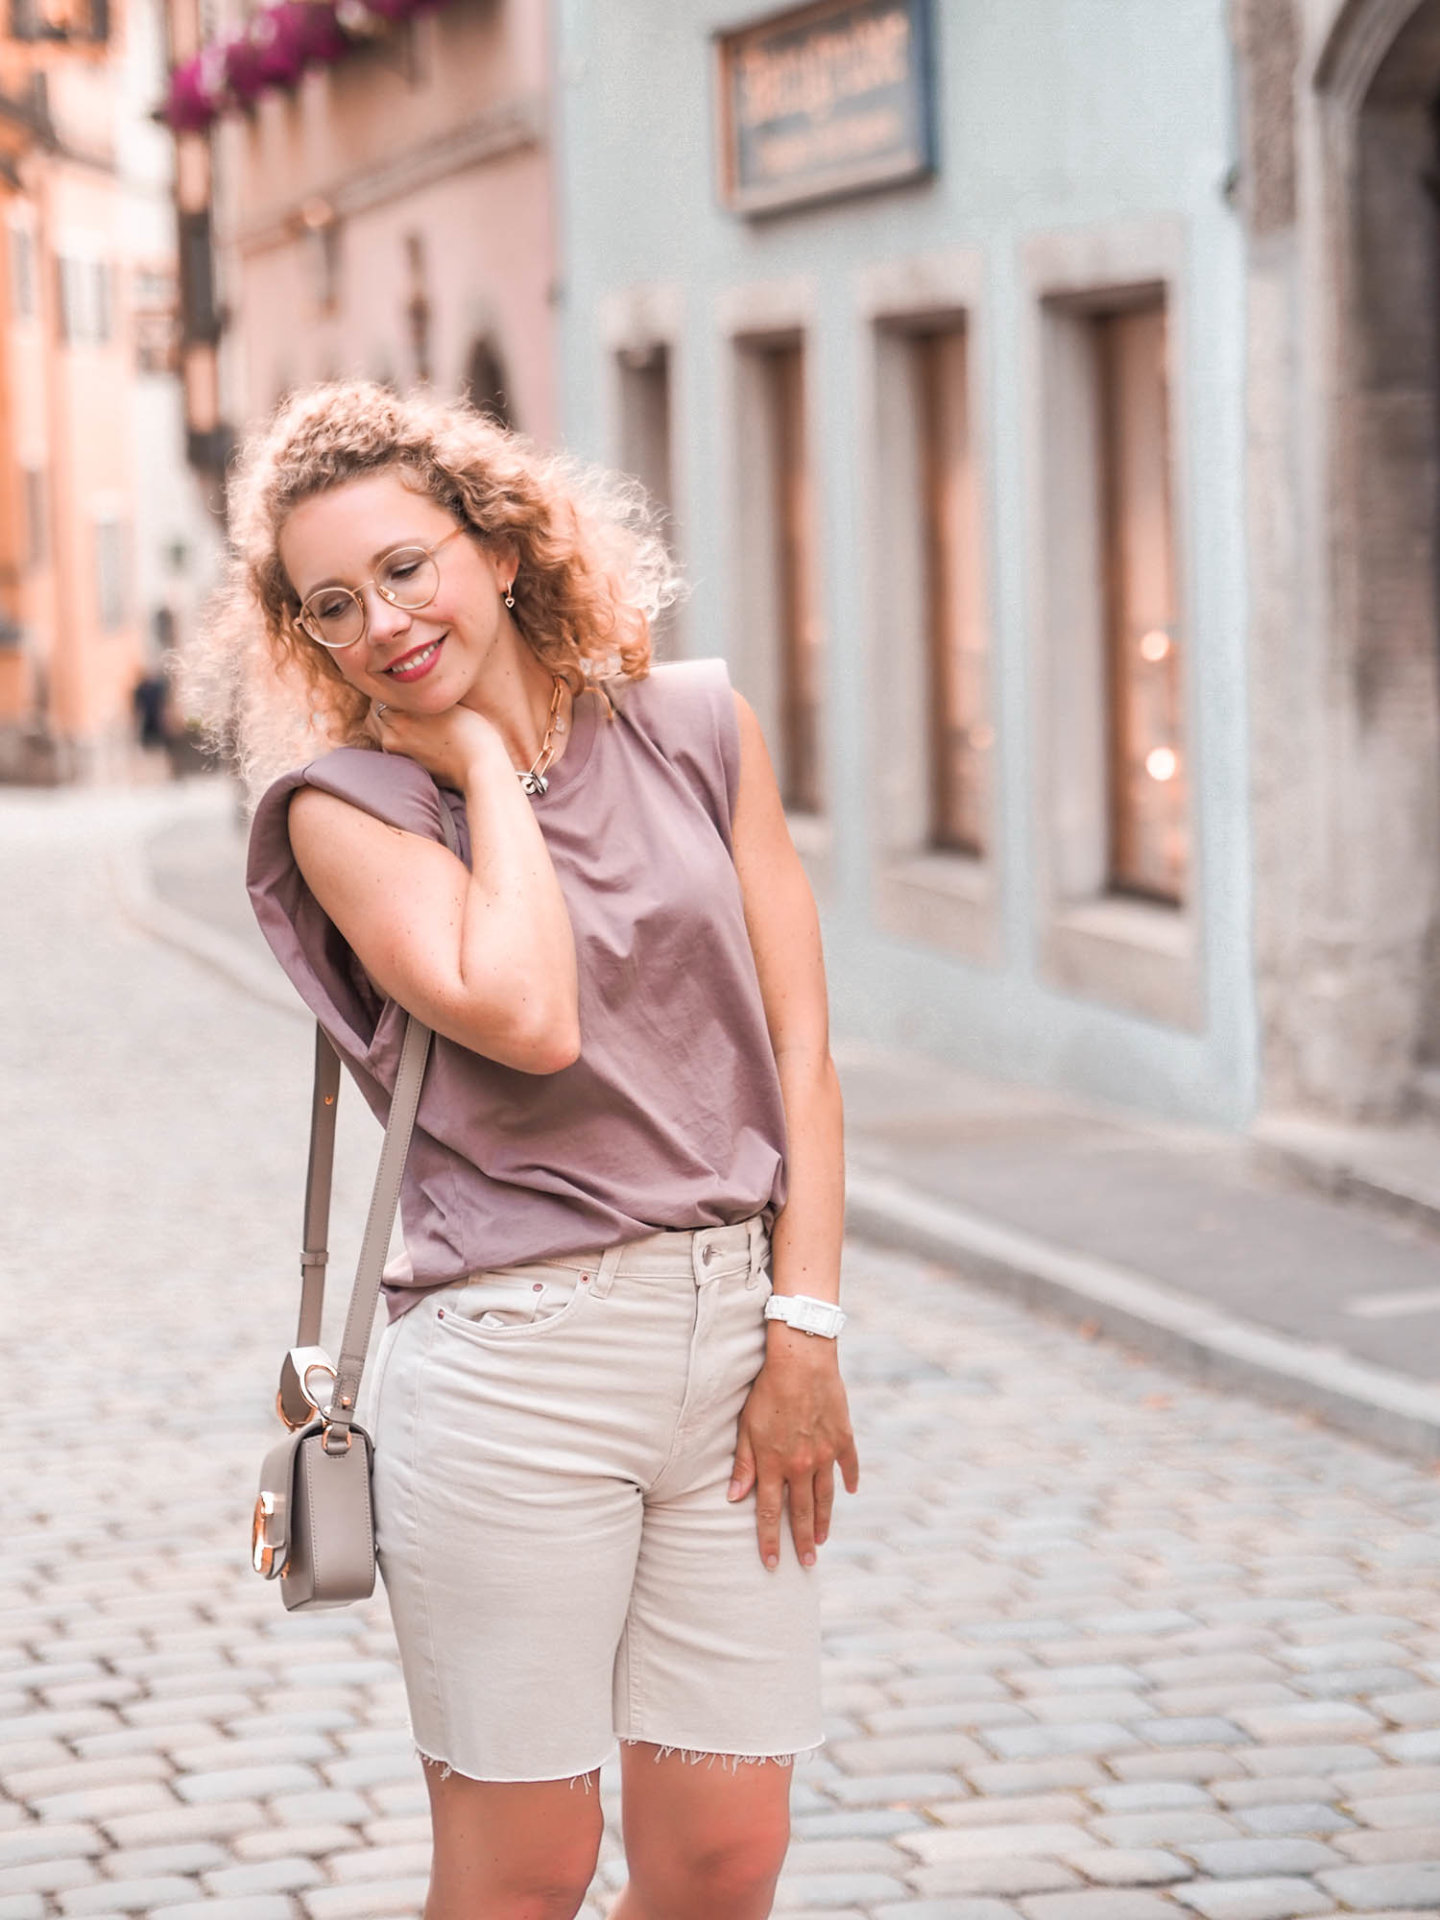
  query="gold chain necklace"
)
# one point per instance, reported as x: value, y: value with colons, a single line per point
x: 532, y: 778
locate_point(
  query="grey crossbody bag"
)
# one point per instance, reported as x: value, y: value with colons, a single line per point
x: 313, y: 1527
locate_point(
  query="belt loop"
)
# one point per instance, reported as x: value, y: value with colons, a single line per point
x: 605, y: 1273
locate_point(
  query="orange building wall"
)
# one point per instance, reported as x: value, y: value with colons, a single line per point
x: 93, y: 477
x: 65, y: 694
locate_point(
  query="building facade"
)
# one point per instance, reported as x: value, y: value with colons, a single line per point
x: 381, y: 208
x: 104, y: 546
x: 929, y: 324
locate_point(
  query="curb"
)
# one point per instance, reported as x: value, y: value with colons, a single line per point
x: 1319, y: 1158
x: 1371, y: 1402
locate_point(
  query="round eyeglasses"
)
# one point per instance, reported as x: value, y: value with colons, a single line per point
x: 408, y: 577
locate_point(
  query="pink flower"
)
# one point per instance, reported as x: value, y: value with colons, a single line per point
x: 192, y: 103
x: 279, y: 44
x: 244, y: 69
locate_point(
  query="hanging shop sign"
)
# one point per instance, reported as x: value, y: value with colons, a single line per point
x: 827, y: 99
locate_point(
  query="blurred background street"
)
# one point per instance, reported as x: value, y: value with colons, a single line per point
x: 1044, y: 402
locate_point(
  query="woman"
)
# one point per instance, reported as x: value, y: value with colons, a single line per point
x: 601, y: 1472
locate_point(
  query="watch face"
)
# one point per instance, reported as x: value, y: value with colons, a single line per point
x: 805, y: 1315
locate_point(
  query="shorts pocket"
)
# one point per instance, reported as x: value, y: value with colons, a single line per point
x: 372, y: 1389
x: 513, y: 1303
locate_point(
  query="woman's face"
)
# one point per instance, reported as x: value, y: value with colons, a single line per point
x: 424, y: 660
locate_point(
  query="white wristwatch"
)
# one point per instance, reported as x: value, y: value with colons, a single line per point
x: 806, y: 1314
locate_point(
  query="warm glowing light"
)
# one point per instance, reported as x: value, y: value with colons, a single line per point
x: 1154, y: 645
x: 1162, y: 763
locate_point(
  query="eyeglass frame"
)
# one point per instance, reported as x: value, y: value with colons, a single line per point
x: 357, y: 594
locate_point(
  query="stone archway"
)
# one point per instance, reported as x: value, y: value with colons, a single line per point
x: 1345, y: 386
x: 1378, y: 81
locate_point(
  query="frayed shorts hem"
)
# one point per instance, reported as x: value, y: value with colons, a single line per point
x: 448, y: 1768
x: 664, y: 1750
x: 711, y: 1757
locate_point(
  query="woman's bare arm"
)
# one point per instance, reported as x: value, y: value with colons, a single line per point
x: 485, y: 957
x: 795, y: 1428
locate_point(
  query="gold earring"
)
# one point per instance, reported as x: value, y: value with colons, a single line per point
x: 509, y: 596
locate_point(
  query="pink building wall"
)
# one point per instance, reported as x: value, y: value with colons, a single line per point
x: 394, y: 213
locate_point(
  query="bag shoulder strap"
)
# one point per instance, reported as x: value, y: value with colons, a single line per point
x: 380, y: 1221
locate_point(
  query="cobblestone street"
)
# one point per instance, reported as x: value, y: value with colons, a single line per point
x: 1103, y: 1644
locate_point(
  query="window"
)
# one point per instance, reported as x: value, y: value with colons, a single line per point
x: 645, y: 442
x: 960, y: 734
x: 1118, y: 878
x: 781, y: 376
x: 156, y: 320
x: 486, y: 387
x: 645, y: 418
x: 776, y: 643
x: 72, y: 20
x: 417, y: 307
x: 86, y: 301
x: 110, y: 571
x: 37, y: 536
x: 200, y: 314
x: 24, y: 293
x: 931, y: 790
x: 103, y: 297
x: 417, y: 51
x: 1149, y: 855
x: 323, y: 239
x: 68, y: 301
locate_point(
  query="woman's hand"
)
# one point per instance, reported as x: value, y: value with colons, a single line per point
x: 448, y: 745
x: 794, y: 1432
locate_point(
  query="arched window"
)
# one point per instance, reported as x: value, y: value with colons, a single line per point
x: 485, y: 386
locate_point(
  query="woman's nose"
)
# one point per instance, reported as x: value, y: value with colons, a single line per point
x: 383, y: 619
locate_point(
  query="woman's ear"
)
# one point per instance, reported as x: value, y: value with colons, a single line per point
x: 505, y: 559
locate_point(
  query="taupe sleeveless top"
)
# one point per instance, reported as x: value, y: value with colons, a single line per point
x: 671, y: 1116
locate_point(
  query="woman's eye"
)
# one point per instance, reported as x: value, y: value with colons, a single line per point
x: 402, y: 569
x: 332, y: 609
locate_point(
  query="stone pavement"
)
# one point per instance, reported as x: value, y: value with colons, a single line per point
x: 1102, y: 1643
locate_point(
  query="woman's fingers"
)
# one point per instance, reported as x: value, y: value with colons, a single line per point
x: 769, y: 1505
x: 824, y: 1503
x: 742, y: 1474
x: 802, y: 1515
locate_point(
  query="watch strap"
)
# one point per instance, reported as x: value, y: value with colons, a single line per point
x: 806, y: 1314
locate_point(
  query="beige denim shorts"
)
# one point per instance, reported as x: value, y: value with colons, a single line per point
x: 553, y: 1445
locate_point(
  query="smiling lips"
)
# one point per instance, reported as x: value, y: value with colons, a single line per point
x: 415, y: 664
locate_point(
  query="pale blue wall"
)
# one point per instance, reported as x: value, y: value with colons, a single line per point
x: 1053, y: 114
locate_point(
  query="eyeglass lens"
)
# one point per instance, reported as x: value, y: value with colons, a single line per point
x: 335, y: 616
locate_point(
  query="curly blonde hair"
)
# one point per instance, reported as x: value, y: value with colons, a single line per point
x: 593, y: 571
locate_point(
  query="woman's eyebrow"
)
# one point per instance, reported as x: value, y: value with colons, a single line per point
x: 391, y: 546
